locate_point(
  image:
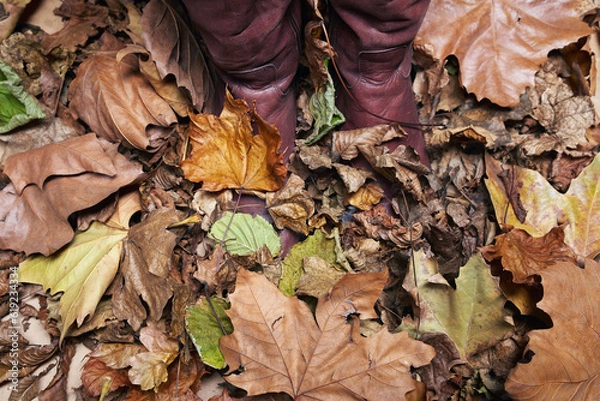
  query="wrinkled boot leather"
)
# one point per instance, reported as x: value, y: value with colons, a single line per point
x: 254, y: 46
x: 373, y: 41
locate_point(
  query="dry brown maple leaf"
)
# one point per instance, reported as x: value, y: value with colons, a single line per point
x: 119, y: 104
x: 500, y: 44
x: 52, y: 182
x: 281, y: 348
x: 226, y: 155
x: 566, y: 363
x: 525, y: 256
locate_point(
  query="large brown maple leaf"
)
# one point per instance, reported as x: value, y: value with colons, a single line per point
x: 226, y: 155
x: 500, y: 44
x: 281, y: 348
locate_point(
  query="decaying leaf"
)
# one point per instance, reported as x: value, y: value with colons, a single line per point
x: 119, y: 104
x: 379, y: 224
x: 518, y: 37
x: 524, y: 255
x: 82, y: 271
x: 96, y: 374
x: 472, y: 315
x: 147, y: 260
x: 366, y: 196
x: 346, y: 143
x: 149, y: 369
x: 318, y: 277
x: 50, y: 183
x: 327, y: 359
x: 315, y: 245
x: 291, y: 206
x: 546, y: 208
x: 176, y: 51
x: 566, y: 362
x: 225, y: 153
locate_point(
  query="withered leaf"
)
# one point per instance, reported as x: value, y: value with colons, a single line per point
x: 566, y: 362
x: 176, y: 51
x: 524, y: 255
x: 34, y: 210
x: 118, y: 103
x: 225, y: 153
x: 291, y: 206
x: 327, y: 359
x: 95, y: 374
x: 500, y: 44
x: 346, y: 143
x: 147, y: 260
x: 378, y: 224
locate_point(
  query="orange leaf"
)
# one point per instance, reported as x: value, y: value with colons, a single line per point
x: 226, y: 155
x: 566, y: 363
x: 284, y: 348
x: 500, y: 44
x: 524, y: 255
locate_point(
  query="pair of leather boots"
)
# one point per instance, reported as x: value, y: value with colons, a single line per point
x: 255, y: 47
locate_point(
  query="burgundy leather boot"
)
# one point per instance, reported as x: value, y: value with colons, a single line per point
x: 255, y: 46
x: 373, y: 41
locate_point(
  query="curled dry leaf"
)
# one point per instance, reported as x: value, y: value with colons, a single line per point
x: 378, y: 224
x: 402, y: 166
x: 566, y: 363
x: 118, y: 103
x: 51, y: 183
x: 346, y: 143
x: 518, y: 37
x: 96, y: 373
x: 353, y: 178
x: 291, y: 206
x: 525, y: 256
x: 176, y: 51
x: 225, y: 153
x: 325, y: 359
x: 559, y: 111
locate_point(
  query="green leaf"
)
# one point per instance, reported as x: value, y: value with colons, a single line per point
x: 17, y: 107
x: 473, y: 315
x: 243, y: 234
x: 316, y: 244
x: 322, y: 106
x: 205, y: 331
x: 82, y: 270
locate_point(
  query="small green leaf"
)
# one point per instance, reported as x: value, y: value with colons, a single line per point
x: 17, y: 107
x: 243, y: 234
x: 82, y: 271
x: 204, y: 329
x: 322, y: 106
x: 316, y: 244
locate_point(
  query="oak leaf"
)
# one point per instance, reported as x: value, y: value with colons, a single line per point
x: 226, y: 155
x: 326, y: 359
x: 118, y: 103
x: 500, y: 44
x: 51, y: 183
x: 546, y: 208
x: 566, y: 363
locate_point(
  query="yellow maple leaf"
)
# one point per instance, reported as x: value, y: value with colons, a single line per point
x: 226, y: 155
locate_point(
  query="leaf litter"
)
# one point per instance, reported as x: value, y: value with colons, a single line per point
x: 473, y: 279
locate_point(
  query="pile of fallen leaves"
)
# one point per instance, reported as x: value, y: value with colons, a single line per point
x: 123, y: 198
